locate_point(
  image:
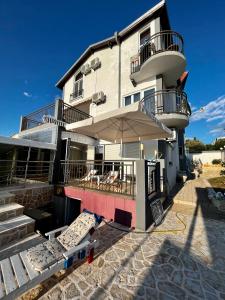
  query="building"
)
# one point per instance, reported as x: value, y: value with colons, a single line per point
x: 143, y: 61
x: 118, y: 133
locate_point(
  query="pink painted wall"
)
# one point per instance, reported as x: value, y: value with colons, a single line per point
x: 106, y: 205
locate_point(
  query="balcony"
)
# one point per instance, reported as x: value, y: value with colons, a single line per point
x: 162, y: 54
x: 116, y: 176
x: 170, y: 106
x: 58, y: 113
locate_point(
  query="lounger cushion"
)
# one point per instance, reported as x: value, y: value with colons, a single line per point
x: 77, y: 231
x: 46, y: 254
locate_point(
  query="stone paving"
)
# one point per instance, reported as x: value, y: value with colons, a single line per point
x: 184, y: 259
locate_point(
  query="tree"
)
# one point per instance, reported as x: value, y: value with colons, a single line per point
x: 219, y: 144
x: 209, y: 147
x: 195, y: 146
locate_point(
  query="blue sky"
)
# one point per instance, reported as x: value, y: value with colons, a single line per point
x: 39, y: 40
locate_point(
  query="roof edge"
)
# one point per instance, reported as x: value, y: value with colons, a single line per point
x: 105, y: 42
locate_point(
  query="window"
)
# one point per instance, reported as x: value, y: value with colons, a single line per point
x: 136, y: 97
x: 144, y: 37
x: 131, y: 99
x: 147, y: 94
x: 78, y: 87
x: 127, y: 100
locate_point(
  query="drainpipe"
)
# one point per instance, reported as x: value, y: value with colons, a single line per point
x: 117, y: 38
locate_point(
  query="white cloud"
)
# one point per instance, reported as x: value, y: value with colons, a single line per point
x: 26, y: 94
x: 216, y: 130
x: 215, y: 108
x: 215, y: 118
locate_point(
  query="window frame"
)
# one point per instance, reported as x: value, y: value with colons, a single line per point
x: 136, y: 92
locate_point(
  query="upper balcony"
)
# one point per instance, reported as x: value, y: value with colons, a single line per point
x: 58, y: 113
x: 162, y: 54
x: 170, y: 106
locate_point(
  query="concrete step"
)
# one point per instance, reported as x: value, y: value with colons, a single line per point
x: 15, y: 228
x: 13, y: 248
x: 6, y: 198
x: 10, y: 210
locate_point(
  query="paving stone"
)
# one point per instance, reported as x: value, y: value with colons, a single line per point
x: 151, y: 294
x: 177, y: 277
x: 55, y: 294
x: 82, y: 285
x: 72, y: 291
x: 171, y: 289
x: 194, y: 287
x: 99, y: 294
x: 163, y: 296
x: 120, y: 293
x: 209, y: 296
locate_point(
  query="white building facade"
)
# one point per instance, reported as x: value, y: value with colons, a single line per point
x: 143, y: 62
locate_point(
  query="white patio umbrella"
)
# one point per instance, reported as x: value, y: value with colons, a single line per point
x: 127, y: 124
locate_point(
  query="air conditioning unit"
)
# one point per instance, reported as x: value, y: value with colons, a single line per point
x: 174, y: 136
x: 95, y: 63
x: 98, y: 97
x: 85, y: 69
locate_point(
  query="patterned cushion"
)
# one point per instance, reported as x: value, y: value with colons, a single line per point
x: 46, y: 254
x: 75, y: 233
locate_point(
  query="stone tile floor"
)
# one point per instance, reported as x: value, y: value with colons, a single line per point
x: 185, y: 259
x: 185, y: 264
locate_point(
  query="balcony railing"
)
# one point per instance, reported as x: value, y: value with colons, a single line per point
x: 167, y: 101
x: 72, y: 114
x: 25, y: 171
x: 115, y: 176
x: 36, y: 118
x: 108, y: 176
x: 68, y: 114
x: 159, y: 42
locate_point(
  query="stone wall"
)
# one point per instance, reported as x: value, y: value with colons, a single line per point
x: 33, y: 197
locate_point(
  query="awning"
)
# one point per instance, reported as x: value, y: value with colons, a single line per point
x: 128, y: 124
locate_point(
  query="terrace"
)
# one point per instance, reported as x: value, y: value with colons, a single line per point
x: 118, y: 176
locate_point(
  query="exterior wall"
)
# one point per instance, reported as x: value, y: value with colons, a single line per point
x: 103, y: 79
x: 106, y: 78
x: 33, y: 197
x: 129, y: 48
x: 206, y: 156
x: 103, y: 204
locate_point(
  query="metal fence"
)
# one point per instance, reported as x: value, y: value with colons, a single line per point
x: 72, y: 114
x: 162, y: 41
x: 167, y: 101
x: 110, y: 176
x: 36, y: 118
x: 22, y: 172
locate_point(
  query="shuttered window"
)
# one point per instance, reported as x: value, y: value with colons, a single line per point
x: 131, y: 150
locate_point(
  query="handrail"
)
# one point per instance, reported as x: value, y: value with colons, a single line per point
x: 167, y: 101
x: 159, y: 42
x: 40, y: 110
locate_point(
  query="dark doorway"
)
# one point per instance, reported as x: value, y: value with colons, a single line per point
x: 72, y: 210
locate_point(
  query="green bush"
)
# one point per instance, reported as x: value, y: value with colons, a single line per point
x: 216, y: 161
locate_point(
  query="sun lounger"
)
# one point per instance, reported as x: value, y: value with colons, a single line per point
x: 26, y: 269
x: 89, y: 175
x: 110, y: 181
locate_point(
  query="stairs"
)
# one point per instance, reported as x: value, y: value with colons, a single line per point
x: 14, y: 226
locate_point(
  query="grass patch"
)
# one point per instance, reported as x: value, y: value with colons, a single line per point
x: 218, y: 182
